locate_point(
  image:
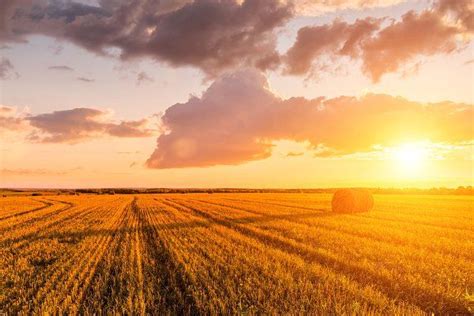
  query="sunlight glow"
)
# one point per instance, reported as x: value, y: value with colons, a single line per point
x: 411, y: 156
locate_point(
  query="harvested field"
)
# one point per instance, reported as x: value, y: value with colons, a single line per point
x: 235, y: 253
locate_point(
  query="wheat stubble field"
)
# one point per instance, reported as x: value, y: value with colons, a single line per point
x: 235, y: 253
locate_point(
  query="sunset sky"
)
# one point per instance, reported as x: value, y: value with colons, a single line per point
x: 249, y: 93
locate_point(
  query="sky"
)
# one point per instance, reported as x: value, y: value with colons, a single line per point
x: 236, y: 93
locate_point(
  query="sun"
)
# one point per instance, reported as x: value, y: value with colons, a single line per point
x: 410, y: 156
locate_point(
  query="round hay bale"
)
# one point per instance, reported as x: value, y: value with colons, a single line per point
x: 352, y: 200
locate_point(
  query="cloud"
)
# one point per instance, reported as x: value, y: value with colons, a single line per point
x: 238, y: 119
x: 130, y: 129
x: 217, y: 36
x: 223, y: 35
x: 35, y: 172
x: 317, y: 7
x: 74, y: 125
x: 217, y: 128
x: 56, y: 49
x: 384, y: 48
x: 128, y: 152
x: 403, y: 41
x: 10, y: 120
x: 468, y: 62
x: 7, y: 71
x: 337, y: 38
x: 212, y: 35
x: 294, y: 154
x: 79, y: 124
x: 83, y: 79
x: 61, y: 68
x: 7, y: 8
x: 461, y: 10
x: 143, y: 77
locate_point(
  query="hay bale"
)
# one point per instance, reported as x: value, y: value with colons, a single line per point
x: 352, y: 200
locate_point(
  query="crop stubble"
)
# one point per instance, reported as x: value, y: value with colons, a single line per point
x: 237, y: 253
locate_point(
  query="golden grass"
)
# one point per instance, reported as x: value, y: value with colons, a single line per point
x: 235, y: 253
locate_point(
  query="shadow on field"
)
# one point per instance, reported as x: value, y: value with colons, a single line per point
x: 428, y: 301
x: 74, y: 237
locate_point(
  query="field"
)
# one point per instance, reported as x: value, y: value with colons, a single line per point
x: 235, y: 253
